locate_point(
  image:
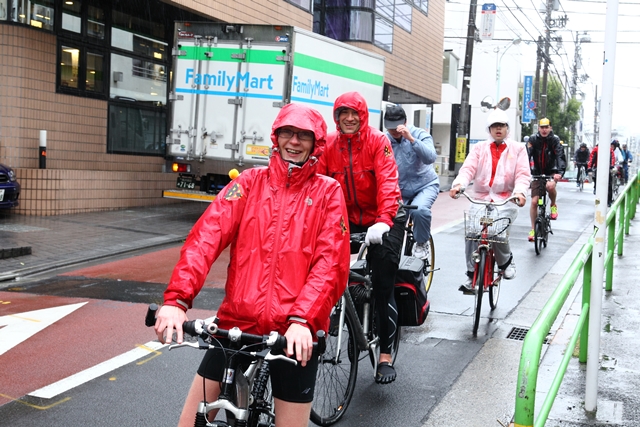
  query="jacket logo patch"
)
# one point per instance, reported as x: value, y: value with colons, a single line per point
x: 343, y: 226
x: 309, y: 201
x: 387, y: 151
x: 234, y: 193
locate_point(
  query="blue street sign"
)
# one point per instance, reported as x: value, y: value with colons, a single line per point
x: 528, y: 105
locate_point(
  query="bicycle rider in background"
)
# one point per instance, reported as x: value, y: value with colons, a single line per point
x: 360, y: 157
x: 547, y: 155
x: 593, y: 166
x: 627, y: 158
x: 581, y: 159
x: 289, y: 263
x: 419, y: 184
x: 499, y: 169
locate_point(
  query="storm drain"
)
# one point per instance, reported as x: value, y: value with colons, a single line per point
x: 518, y: 334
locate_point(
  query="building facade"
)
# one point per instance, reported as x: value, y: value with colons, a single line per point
x: 95, y: 75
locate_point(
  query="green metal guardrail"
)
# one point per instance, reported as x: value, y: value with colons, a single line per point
x: 617, y: 223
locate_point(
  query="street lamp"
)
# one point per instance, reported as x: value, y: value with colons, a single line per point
x: 515, y: 41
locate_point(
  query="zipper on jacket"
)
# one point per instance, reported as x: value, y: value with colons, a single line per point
x: 276, y: 247
x: 353, y: 180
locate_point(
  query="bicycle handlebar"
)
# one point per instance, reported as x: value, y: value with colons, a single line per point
x: 208, y: 328
x: 484, y: 202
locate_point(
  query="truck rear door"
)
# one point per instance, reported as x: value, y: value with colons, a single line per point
x: 229, y: 93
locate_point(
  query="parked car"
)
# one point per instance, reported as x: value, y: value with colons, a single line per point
x: 9, y: 187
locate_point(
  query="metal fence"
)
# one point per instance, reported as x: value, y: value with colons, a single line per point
x: 617, y: 226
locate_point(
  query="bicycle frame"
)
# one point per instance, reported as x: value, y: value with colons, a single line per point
x: 484, y: 255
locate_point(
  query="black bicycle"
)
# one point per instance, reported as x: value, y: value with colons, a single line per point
x: 246, y: 398
x: 582, y: 176
x: 542, y: 225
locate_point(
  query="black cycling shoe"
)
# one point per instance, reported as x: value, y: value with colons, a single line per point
x: 386, y: 373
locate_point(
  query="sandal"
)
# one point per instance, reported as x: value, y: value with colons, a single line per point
x: 386, y: 373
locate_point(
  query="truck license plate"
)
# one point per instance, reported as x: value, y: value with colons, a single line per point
x: 185, y: 183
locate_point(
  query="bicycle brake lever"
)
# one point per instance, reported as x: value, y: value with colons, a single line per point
x: 271, y: 356
x: 201, y: 345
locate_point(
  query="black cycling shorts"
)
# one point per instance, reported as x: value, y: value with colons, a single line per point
x: 291, y: 383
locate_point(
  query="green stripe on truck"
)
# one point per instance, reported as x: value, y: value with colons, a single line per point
x: 312, y: 63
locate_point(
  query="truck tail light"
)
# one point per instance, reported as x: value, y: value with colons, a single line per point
x: 181, y: 167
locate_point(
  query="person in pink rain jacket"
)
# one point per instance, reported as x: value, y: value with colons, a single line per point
x: 499, y: 169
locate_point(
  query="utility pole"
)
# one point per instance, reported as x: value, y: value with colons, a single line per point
x: 462, y: 132
x: 547, y: 43
x: 536, y: 87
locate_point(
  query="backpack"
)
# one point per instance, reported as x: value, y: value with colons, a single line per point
x: 410, y: 292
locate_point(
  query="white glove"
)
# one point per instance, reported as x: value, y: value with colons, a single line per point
x: 375, y: 232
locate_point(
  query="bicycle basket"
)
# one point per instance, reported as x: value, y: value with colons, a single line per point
x: 497, y: 229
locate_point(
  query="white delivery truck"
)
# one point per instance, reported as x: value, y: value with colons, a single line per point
x: 229, y: 82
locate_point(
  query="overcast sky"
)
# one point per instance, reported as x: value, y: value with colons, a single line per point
x: 521, y: 18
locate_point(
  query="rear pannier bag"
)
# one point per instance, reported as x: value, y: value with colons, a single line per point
x: 410, y: 293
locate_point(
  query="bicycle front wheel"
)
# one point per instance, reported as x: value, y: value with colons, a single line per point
x: 262, y: 412
x: 429, y: 264
x: 337, y: 370
x: 582, y: 178
x: 479, y: 285
x: 494, y: 286
x: 539, y: 235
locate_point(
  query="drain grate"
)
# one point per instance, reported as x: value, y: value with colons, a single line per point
x: 518, y: 334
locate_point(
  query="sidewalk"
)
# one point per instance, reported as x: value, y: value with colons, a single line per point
x: 59, y: 241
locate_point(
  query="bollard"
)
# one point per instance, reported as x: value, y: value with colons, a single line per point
x: 43, y: 149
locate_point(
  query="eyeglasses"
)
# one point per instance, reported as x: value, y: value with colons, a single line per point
x: 303, y: 135
x: 498, y: 125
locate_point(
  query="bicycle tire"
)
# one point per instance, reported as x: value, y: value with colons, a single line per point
x: 538, y: 235
x: 337, y: 372
x: 429, y: 264
x: 262, y: 408
x: 494, y: 287
x: 582, y: 173
x: 479, y: 289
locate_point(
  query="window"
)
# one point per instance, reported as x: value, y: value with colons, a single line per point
x: 80, y: 70
x: 384, y: 8
x: 136, y: 130
x: 450, y: 64
x: 138, y: 80
x: 38, y: 13
x: 85, y: 18
x: 422, y: 6
x: 383, y: 36
x: 402, y: 16
x: 304, y: 4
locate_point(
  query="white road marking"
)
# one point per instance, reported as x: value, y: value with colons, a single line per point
x: 18, y: 327
x: 66, y: 384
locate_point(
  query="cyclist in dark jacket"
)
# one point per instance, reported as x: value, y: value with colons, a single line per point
x: 581, y: 158
x: 547, y: 157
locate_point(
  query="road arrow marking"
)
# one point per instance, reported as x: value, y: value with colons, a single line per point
x: 18, y: 327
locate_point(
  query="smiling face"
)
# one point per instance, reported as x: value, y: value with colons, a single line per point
x: 295, y: 144
x: 499, y: 131
x: 349, y: 121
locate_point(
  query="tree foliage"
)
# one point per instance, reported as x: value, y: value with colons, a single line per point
x: 562, y: 115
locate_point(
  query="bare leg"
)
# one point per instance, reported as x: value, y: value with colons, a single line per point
x: 551, y: 189
x: 290, y: 414
x: 194, y: 398
x: 533, y: 210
